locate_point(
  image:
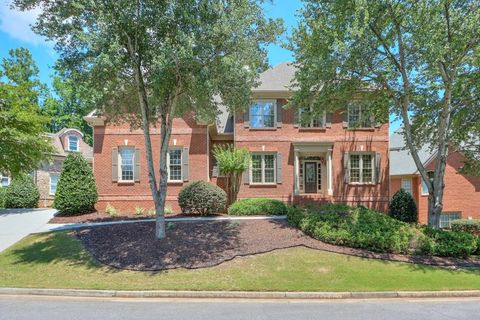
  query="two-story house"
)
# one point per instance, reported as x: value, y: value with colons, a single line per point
x: 337, y: 157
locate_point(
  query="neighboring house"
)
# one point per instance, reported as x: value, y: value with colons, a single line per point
x: 47, y: 175
x: 461, y: 195
x: 339, y: 157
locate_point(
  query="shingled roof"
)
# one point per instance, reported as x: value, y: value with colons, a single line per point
x: 401, y: 161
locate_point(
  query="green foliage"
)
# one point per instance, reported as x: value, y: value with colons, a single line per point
x: 76, y: 191
x: 232, y: 163
x: 200, y: 197
x: 111, y: 210
x: 168, y: 210
x: 449, y: 243
x: 151, y: 212
x: 465, y: 225
x: 258, y: 207
x: 139, y: 211
x: 353, y: 227
x: 23, y: 144
x: 22, y: 193
x: 3, y: 192
x: 403, y: 207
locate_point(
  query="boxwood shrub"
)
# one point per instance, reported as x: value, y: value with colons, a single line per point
x: 403, y: 207
x: 258, y: 207
x: 22, y: 193
x: 449, y: 243
x: 357, y: 227
x: 3, y: 192
x: 201, y: 197
x: 76, y: 191
x: 469, y: 226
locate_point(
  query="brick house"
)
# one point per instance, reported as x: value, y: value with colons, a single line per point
x: 461, y: 194
x: 338, y: 157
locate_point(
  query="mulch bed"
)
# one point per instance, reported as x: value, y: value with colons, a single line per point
x: 208, y: 243
x: 104, y: 217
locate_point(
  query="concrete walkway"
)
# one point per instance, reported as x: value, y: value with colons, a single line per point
x: 16, y: 224
x: 68, y: 226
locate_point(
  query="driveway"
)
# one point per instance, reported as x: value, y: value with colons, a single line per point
x: 16, y: 224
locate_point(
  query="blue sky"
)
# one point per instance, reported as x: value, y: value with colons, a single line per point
x: 15, y: 32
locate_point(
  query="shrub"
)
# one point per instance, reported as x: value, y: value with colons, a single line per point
x: 258, y: 206
x: 354, y: 227
x: 111, y: 211
x: 201, y: 197
x: 151, y: 212
x: 469, y: 226
x: 451, y: 243
x: 168, y: 210
x: 22, y: 193
x: 76, y: 190
x: 139, y: 211
x: 403, y: 207
x: 3, y: 192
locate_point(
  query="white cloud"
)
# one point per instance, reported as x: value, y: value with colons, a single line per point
x: 17, y: 24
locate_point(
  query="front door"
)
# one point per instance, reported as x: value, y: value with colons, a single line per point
x: 310, y: 177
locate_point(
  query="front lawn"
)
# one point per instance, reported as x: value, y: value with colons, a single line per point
x: 57, y: 260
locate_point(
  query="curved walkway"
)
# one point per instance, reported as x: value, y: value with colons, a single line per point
x: 16, y: 224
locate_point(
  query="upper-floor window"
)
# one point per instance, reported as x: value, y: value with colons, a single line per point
x: 53, y: 183
x: 407, y: 185
x: 174, y: 165
x: 72, y: 143
x: 308, y: 120
x: 263, y: 170
x: 126, y: 164
x: 424, y: 185
x: 262, y: 114
x: 4, y: 180
x: 359, y: 116
x: 361, y: 167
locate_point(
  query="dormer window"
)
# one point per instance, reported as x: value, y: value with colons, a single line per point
x: 72, y: 143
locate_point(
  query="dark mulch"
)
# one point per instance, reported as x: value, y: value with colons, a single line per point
x: 104, y: 217
x: 205, y: 244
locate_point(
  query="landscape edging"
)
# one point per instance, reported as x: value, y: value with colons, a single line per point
x: 237, y: 294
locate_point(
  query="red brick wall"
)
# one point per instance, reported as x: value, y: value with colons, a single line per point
x: 125, y: 197
x: 280, y: 140
x: 461, y: 194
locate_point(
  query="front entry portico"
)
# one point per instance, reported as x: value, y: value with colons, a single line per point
x: 313, y: 168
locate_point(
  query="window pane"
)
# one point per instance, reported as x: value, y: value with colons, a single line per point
x: 53, y: 183
x: 354, y: 168
x: 367, y: 170
x: 72, y: 143
x: 126, y: 164
x: 407, y: 185
x: 4, y: 181
x: 262, y: 114
x: 175, y: 165
x: 446, y: 219
x: 354, y: 115
x: 256, y: 168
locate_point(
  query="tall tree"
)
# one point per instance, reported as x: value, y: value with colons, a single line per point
x: 156, y: 60
x: 418, y: 57
x: 23, y: 143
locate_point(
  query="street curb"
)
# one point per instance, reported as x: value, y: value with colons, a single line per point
x: 238, y: 294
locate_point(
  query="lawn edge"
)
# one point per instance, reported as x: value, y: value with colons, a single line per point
x: 236, y: 294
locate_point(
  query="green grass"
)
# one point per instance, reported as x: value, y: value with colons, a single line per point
x: 56, y: 260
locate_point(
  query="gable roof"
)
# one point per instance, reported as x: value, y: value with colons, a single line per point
x: 278, y: 78
x: 401, y: 161
x: 87, y: 151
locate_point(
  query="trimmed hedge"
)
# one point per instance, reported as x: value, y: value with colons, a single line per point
x: 403, y: 207
x: 200, y: 197
x: 258, y: 207
x: 76, y: 191
x: 447, y: 243
x: 353, y: 227
x: 22, y: 193
x: 465, y: 225
x: 3, y: 193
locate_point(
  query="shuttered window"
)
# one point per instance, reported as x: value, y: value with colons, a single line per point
x: 263, y: 168
x: 361, y: 167
x: 262, y: 114
x: 359, y: 116
x: 126, y: 164
x: 175, y: 165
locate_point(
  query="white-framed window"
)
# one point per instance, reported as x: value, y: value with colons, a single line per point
x: 53, y: 183
x: 174, y: 165
x: 263, y: 168
x: 424, y: 185
x: 407, y: 185
x: 126, y: 165
x: 4, y: 181
x: 359, y: 116
x: 361, y: 167
x: 306, y: 120
x: 446, y: 219
x: 263, y: 114
x: 72, y: 143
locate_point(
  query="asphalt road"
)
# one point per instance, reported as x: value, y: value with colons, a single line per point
x: 40, y: 308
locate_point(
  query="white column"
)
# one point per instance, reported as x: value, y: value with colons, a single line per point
x: 330, y: 173
x: 296, y: 169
